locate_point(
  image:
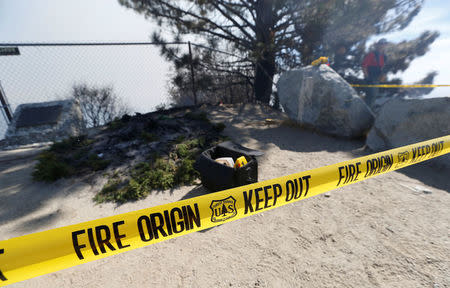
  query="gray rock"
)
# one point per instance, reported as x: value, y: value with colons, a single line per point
x: 407, y: 121
x: 317, y: 97
x: 44, y: 122
x: 378, y: 103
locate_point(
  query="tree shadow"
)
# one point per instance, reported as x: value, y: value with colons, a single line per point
x: 296, y: 139
x: 430, y: 172
x: 247, y: 121
x: 21, y: 196
x: 243, y: 113
x: 198, y: 191
x: 299, y: 139
x: 44, y: 220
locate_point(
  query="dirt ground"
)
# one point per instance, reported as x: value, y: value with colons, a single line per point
x: 389, y: 231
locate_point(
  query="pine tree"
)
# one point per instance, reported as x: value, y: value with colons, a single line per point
x: 274, y: 35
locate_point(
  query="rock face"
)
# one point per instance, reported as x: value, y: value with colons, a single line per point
x: 407, y: 121
x: 402, y: 122
x: 44, y: 122
x: 317, y: 97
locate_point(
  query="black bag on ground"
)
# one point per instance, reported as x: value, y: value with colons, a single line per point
x: 216, y: 176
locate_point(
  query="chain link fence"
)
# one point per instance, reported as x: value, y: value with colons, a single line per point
x: 136, y: 72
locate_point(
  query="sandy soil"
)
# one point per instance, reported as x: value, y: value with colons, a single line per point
x: 389, y: 231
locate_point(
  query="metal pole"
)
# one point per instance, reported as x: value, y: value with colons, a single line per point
x: 4, y: 105
x: 192, y: 73
x: 37, y: 44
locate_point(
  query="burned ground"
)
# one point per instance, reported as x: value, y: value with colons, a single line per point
x: 137, y: 154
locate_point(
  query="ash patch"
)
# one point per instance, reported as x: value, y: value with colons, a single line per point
x: 138, y: 154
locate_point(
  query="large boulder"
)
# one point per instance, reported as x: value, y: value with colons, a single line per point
x: 317, y: 97
x: 407, y: 121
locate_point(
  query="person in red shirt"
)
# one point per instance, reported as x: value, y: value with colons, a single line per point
x: 372, y: 65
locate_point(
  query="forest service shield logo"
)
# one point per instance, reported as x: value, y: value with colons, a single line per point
x: 224, y: 209
x: 402, y: 158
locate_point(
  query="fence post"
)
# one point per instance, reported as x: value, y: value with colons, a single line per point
x: 5, y: 106
x: 192, y: 73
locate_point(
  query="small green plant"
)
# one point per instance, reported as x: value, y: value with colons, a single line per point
x: 160, y: 173
x: 112, y: 191
x: 168, y: 164
x: 70, y: 143
x: 163, y: 164
x: 135, y: 190
x: 196, y: 143
x: 189, y: 148
x: 157, y: 175
x: 186, y: 173
x: 182, y: 150
x: 200, y: 116
x: 67, y: 158
x: 51, y: 168
x: 148, y: 137
x: 80, y: 154
x: 161, y: 179
x: 96, y: 163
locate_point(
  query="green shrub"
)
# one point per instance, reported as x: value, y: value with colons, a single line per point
x: 112, y: 191
x: 160, y: 179
x: 96, y: 163
x: 65, y: 158
x: 163, y: 164
x: 186, y: 173
x: 160, y: 174
x: 80, y: 154
x: 148, y: 137
x: 71, y: 143
x: 135, y: 190
x: 182, y: 150
x: 200, y: 116
x: 51, y: 168
x: 196, y: 143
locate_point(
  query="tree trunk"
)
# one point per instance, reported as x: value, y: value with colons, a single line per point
x: 265, y: 60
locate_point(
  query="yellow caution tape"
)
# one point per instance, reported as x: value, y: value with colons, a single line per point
x: 320, y: 60
x: 400, y: 86
x: 40, y: 253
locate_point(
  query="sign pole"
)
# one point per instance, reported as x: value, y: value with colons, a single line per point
x: 4, y: 105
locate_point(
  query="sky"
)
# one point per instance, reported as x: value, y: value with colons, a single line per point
x: 434, y: 16
x: 138, y: 74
